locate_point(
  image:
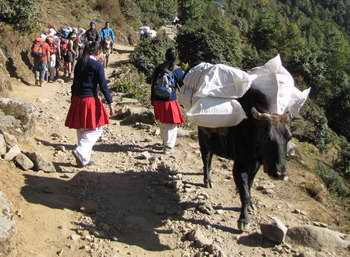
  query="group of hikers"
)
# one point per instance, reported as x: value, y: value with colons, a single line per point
x: 54, y: 51
x: 87, y: 113
x: 80, y: 52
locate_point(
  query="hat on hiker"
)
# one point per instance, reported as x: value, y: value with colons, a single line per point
x: 38, y: 40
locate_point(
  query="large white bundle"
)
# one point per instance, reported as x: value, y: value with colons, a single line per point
x: 192, y: 81
x: 213, y: 112
x: 224, y: 81
x: 278, y: 84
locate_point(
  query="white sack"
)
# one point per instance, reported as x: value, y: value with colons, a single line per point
x: 216, y: 112
x: 278, y: 84
x: 195, y: 77
x: 224, y: 81
x: 192, y: 81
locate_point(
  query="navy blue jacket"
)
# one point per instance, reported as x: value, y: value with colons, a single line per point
x: 89, y: 81
x: 178, y: 75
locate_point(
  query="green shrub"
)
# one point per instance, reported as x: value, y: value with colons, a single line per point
x: 342, y: 164
x: 22, y: 14
x: 334, y: 182
x: 150, y: 53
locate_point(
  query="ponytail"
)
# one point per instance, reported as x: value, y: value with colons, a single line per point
x: 91, y: 48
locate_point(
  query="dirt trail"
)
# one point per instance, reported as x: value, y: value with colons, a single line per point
x: 135, y: 211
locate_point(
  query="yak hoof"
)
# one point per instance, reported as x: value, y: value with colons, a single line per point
x: 243, y: 226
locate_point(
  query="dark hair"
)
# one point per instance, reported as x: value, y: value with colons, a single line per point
x: 91, y: 48
x: 170, y: 55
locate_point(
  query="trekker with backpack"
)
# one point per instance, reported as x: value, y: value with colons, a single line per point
x: 38, y: 53
x: 53, y: 55
x: 68, y: 55
x: 166, y: 78
x: 92, y: 35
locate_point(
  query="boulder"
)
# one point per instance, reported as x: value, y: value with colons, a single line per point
x: 12, y: 153
x: 136, y: 114
x: 9, y: 139
x: 17, y: 117
x: 3, y: 147
x: 24, y: 162
x: 7, y: 226
x: 199, y: 240
x: 40, y: 163
x: 316, y: 237
x: 276, y: 231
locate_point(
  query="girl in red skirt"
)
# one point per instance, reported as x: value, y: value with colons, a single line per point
x: 87, y: 113
x: 166, y: 109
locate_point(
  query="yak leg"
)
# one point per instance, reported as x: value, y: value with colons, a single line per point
x: 241, y: 177
x: 251, y: 175
x: 207, y: 156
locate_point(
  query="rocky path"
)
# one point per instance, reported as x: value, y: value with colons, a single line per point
x: 136, y: 201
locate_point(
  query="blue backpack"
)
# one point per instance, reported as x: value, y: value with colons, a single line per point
x: 164, y: 85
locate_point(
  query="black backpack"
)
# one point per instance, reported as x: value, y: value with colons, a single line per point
x: 164, y: 85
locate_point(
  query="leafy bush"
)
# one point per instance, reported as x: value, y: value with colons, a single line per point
x: 342, y: 164
x: 133, y: 85
x: 150, y: 53
x: 334, y: 182
x: 22, y: 14
x: 312, y: 126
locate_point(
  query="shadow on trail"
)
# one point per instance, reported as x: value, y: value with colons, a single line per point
x: 255, y: 240
x: 56, y: 146
x: 126, y: 204
x: 115, y: 147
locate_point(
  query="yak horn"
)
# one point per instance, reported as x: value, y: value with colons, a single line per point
x: 275, y: 118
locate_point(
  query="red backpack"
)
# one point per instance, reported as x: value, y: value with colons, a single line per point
x: 64, y: 45
x: 37, y: 50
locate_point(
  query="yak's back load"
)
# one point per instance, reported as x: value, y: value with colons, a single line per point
x: 214, y: 112
x: 210, y: 91
x: 278, y: 85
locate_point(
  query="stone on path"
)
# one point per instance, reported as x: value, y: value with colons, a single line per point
x: 24, y: 162
x: 12, y: 153
x: 316, y: 237
x: 40, y: 163
x: 18, y: 117
x: 199, y: 240
x: 7, y: 226
x: 137, y: 114
x: 10, y: 139
x: 276, y: 231
x: 3, y: 147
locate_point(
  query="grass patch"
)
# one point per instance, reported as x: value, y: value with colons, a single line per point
x: 333, y: 180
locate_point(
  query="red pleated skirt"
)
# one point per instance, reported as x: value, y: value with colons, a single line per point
x: 168, y: 112
x: 86, y: 113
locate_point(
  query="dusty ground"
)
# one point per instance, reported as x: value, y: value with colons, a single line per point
x: 133, y: 209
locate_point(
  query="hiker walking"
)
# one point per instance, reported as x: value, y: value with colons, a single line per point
x: 107, y: 40
x: 166, y: 78
x: 68, y: 54
x: 92, y: 35
x: 39, y: 52
x: 87, y: 113
x: 52, y: 60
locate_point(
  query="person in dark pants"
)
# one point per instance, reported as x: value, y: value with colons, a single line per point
x: 87, y: 113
